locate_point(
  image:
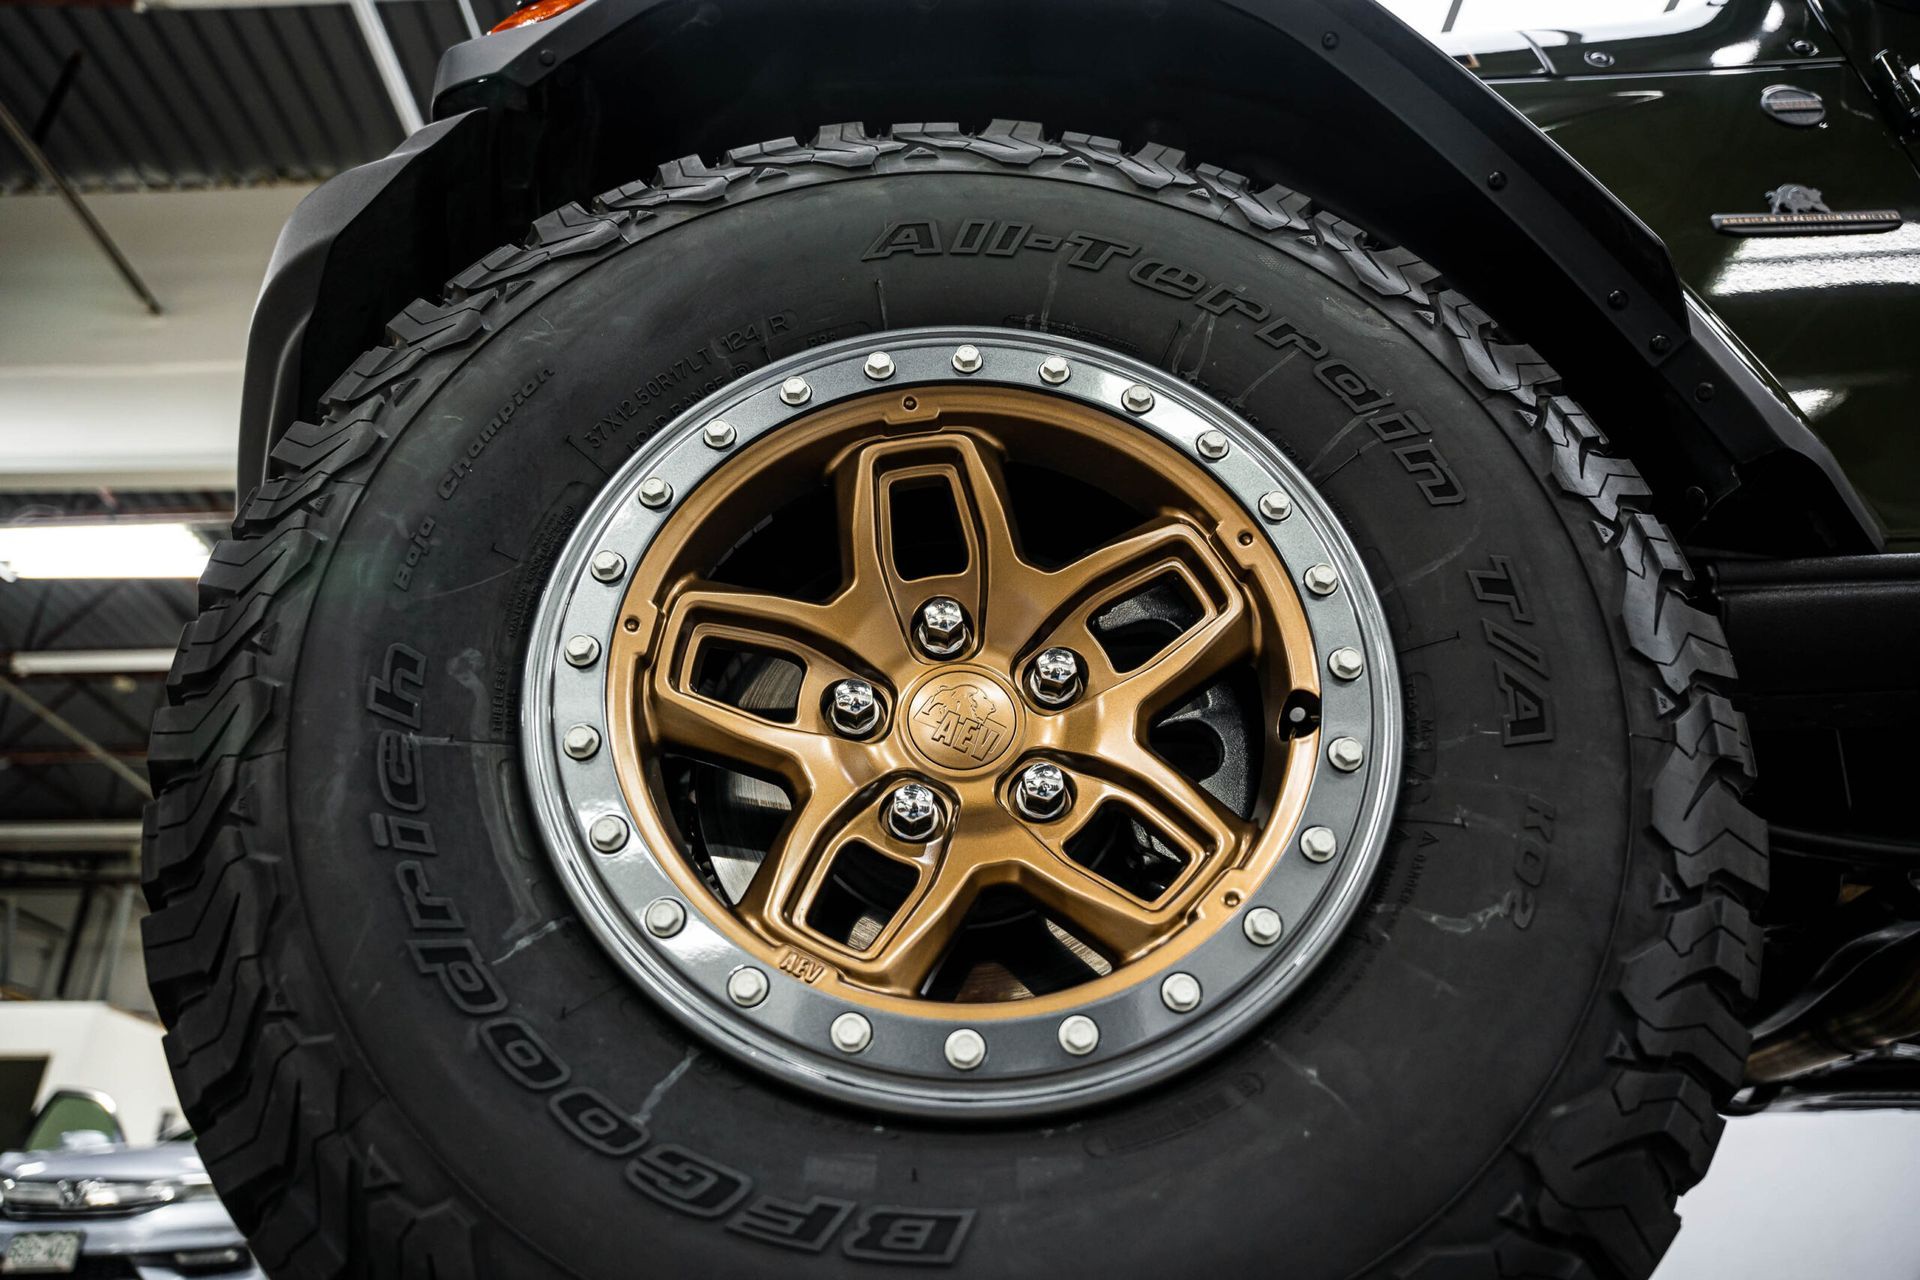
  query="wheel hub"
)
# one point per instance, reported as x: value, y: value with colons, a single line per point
x: 969, y: 738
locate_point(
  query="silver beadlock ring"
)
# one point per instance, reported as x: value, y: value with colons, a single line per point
x: 903, y: 1063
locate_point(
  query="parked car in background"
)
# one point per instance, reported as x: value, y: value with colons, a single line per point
x: 78, y: 1199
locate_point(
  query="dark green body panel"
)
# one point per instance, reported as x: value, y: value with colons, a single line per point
x: 1679, y: 135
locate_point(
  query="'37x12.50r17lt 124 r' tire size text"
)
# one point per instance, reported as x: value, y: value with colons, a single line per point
x: 403, y: 1054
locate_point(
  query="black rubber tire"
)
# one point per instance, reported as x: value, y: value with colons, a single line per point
x: 405, y: 1056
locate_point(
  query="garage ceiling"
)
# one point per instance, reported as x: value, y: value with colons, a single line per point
x: 212, y: 96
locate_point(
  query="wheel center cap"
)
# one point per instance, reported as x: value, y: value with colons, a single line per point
x: 961, y: 719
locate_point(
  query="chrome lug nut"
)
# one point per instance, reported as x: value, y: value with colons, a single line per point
x: 941, y: 629
x: 854, y: 708
x: 914, y: 813
x: 581, y: 741
x: 1042, y: 792
x: 1346, y: 663
x: 1346, y: 754
x: 1054, y: 677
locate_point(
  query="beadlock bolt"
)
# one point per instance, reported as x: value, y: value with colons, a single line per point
x: 609, y: 566
x: 1042, y: 793
x: 655, y: 492
x: 1079, y: 1035
x: 581, y: 651
x: 1346, y: 754
x: 1262, y: 926
x: 1055, y: 370
x: 1275, y: 506
x: 1318, y: 844
x: 664, y: 917
x: 581, y: 741
x: 747, y: 986
x: 850, y: 1033
x: 795, y: 391
x: 608, y: 833
x: 1321, y: 579
x: 941, y: 629
x: 966, y: 1049
x: 879, y: 366
x: 1212, y: 445
x: 1180, y: 992
x: 718, y: 435
x: 1053, y: 678
x: 853, y: 708
x: 966, y: 359
x: 914, y: 813
x: 1137, y: 399
x: 1346, y: 663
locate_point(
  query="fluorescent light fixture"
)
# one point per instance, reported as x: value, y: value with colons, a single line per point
x: 121, y: 549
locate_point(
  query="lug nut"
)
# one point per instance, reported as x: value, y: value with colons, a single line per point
x: 941, y: 629
x: 581, y: 741
x: 747, y: 986
x: 581, y: 651
x: 1321, y: 579
x: 1262, y: 926
x: 1079, y: 1035
x: 966, y: 1049
x: 655, y: 492
x: 664, y: 917
x: 850, y: 1033
x: 879, y: 366
x: 1318, y: 844
x: 1042, y: 792
x: 913, y: 813
x: 1346, y: 663
x: 1180, y: 992
x: 1275, y: 506
x: 1054, y: 677
x: 608, y: 833
x: 853, y: 708
x: 1346, y: 754
x: 609, y: 566
x: 966, y: 359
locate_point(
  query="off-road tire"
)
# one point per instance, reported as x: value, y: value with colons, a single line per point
x: 402, y: 1054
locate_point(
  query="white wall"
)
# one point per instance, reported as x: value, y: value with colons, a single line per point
x: 91, y: 385
x: 93, y: 1046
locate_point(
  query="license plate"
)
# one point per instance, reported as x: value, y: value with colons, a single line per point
x: 41, y: 1253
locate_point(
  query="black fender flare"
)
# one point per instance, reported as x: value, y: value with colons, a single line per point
x: 1337, y: 97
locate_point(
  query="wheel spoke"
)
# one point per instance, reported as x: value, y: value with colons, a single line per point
x: 1182, y: 811
x: 1094, y: 908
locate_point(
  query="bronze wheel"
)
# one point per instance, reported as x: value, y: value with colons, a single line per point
x: 994, y: 714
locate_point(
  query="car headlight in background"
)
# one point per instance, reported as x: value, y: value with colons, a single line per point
x: 98, y: 1195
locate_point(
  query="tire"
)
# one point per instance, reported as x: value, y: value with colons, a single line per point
x: 403, y: 1053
